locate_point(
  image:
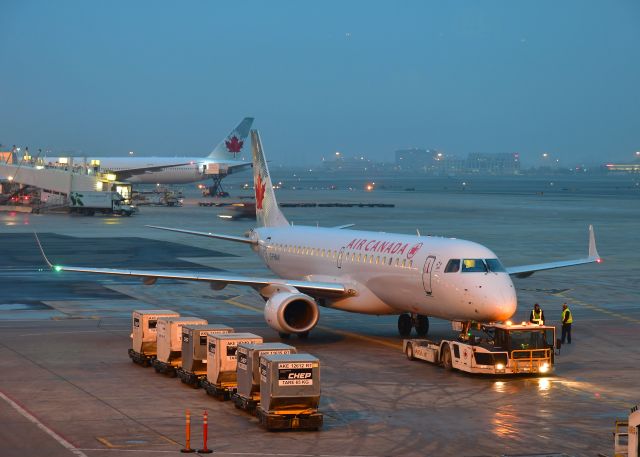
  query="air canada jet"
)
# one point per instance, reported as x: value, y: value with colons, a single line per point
x: 415, y: 277
x: 223, y: 160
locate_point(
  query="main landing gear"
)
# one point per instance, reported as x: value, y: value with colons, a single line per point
x: 408, y: 321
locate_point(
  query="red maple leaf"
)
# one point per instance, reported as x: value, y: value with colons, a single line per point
x: 260, y: 187
x: 234, y: 145
x: 414, y: 250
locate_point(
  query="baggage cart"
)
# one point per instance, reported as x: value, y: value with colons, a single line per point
x: 144, y: 334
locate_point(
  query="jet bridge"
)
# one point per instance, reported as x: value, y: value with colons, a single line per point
x: 60, y: 177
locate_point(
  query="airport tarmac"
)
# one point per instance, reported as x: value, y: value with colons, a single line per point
x: 67, y: 386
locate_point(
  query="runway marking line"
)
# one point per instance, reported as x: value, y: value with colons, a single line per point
x: 370, y: 339
x: 596, y: 308
x: 31, y: 418
x: 104, y: 440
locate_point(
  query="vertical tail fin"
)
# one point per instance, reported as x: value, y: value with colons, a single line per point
x: 232, y: 145
x: 267, y: 212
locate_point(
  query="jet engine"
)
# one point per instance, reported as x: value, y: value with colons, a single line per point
x: 291, y: 312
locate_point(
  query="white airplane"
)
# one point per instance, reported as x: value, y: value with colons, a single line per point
x: 415, y: 277
x: 222, y: 161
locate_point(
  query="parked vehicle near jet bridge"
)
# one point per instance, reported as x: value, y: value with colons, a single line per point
x: 415, y: 277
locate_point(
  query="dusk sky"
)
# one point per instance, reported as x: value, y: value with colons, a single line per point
x: 172, y: 78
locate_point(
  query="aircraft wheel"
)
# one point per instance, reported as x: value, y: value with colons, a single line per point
x: 284, y: 336
x: 404, y: 325
x: 422, y: 325
x: 409, y: 352
x: 446, y: 358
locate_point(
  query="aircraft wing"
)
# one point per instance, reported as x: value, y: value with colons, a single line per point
x: 238, y: 239
x: 527, y: 270
x: 233, y: 168
x: 129, y: 172
x: 151, y: 276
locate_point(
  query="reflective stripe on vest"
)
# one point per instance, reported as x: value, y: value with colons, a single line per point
x: 570, y: 319
x: 537, y: 317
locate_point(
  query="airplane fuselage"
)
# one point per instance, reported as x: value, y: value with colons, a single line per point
x: 191, y: 169
x: 393, y: 273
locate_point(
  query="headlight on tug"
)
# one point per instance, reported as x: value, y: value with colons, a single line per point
x: 499, y: 366
x: 544, y: 368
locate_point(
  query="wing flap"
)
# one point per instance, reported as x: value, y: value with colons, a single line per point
x: 311, y: 286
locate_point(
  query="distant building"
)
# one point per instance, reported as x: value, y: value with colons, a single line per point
x: 422, y: 160
x: 623, y: 167
x: 340, y: 163
x: 494, y: 163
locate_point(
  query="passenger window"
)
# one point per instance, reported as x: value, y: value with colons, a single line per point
x: 377, y: 259
x: 411, y: 264
x: 359, y: 257
x: 371, y: 259
x: 353, y: 256
x: 453, y: 266
x: 390, y: 260
x: 404, y: 263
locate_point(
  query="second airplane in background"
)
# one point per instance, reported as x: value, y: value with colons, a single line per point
x: 365, y: 272
x: 223, y: 160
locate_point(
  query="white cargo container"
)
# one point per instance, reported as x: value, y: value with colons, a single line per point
x: 170, y: 342
x: 144, y: 333
x: 289, y: 392
x: 248, y: 371
x: 194, y: 351
x: 221, y: 378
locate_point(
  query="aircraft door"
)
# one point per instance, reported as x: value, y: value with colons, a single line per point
x: 426, y: 274
x: 340, y: 256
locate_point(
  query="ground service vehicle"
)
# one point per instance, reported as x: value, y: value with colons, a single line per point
x: 91, y: 202
x: 626, y: 442
x: 504, y: 349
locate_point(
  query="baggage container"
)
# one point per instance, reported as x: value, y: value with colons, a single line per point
x: 289, y: 392
x: 194, y: 351
x: 248, y: 371
x: 221, y: 380
x: 169, y: 355
x: 144, y: 334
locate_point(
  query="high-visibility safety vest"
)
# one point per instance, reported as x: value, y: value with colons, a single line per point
x: 569, y: 318
x: 537, y: 317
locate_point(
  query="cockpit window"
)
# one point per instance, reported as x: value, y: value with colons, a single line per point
x: 453, y: 266
x: 495, y: 266
x: 473, y: 265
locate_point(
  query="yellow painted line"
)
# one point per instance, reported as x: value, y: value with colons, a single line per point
x: 369, y: 339
x: 358, y: 336
x: 596, y: 308
x: 110, y: 445
x: 105, y: 441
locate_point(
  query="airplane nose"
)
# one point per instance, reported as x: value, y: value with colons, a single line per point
x: 506, y: 302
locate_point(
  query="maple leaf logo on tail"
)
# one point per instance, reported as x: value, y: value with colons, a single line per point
x: 234, y: 145
x: 260, y: 188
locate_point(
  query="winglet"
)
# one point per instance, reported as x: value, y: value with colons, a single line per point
x: 593, y: 252
x: 42, y: 251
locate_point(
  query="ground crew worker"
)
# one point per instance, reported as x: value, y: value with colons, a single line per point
x: 537, y: 315
x: 567, y: 319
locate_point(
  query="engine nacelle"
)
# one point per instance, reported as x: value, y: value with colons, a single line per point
x: 290, y: 312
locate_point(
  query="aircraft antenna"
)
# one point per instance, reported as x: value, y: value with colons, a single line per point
x: 418, y: 232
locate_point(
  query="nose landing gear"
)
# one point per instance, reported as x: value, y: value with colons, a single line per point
x: 408, y: 321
